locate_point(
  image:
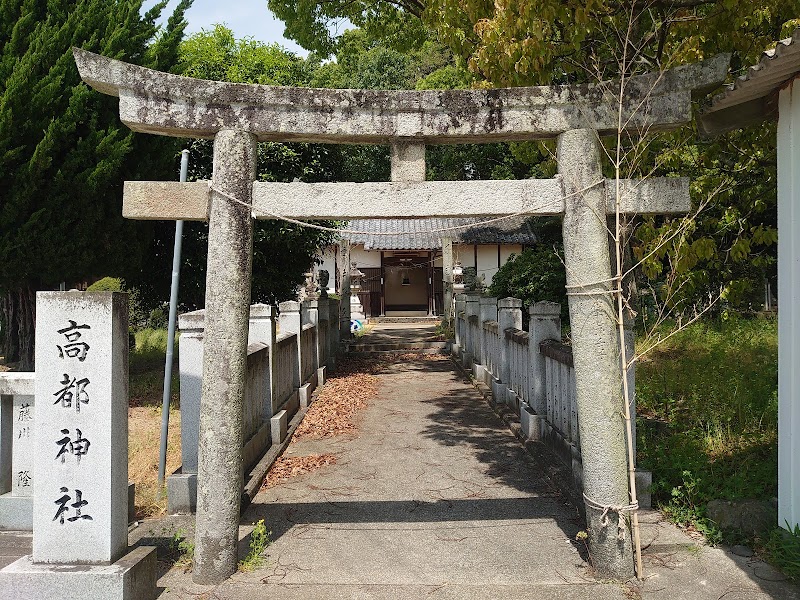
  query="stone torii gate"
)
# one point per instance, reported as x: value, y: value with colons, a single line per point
x: 237, y: 116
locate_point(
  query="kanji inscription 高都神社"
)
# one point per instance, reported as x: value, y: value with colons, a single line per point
x: 78, y: 411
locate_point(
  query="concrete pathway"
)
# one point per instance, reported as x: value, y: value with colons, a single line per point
x: 435, y: 498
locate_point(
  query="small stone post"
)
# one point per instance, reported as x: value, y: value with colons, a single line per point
x: 190, y: 361
x: 544, y: 324
x: 488, y: 312
x: 264, y: 330
x: 182, y: 484
x: 595, y: 351
x: 309, y: 315
x: 472, y: 349
x: 461, y: 307
x: 324, y: 322
x: 315, y: 312
x: 333, y: 332
x: 344, y: 290
x: 230, y: 267
x: 7, y: 419
x: 262, y: 325
x: 290, y: 321
x: 17, y: 450
x: 509, y: 316
x: 447, y: 264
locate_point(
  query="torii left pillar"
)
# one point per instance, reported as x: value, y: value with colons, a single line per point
x: 230, y: 269
x: 595, y: 352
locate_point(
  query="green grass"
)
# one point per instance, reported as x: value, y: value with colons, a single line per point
x: 783, y: 549
x: 708, y: 416
x: 147, y: 368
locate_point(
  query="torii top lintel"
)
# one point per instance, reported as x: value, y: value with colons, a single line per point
x: 165, y: 104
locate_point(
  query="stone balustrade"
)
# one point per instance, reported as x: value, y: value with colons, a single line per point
x: 531, y: 372
x: 287, y: 357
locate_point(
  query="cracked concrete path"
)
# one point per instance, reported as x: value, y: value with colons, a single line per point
x: 434, y: 498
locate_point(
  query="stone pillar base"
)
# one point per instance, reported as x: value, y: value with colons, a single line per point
x: 530, y: 423
x: 181, y: 493
x: 279, y: 424
x: 132, y: 577
x: 16, y: 512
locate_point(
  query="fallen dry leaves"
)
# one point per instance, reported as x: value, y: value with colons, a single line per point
x: 287, y: 467
x: 335, y: 409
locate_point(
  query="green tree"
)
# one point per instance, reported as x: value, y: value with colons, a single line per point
x: 731, y: 244
x: 310, y: 22
x: 282, y: 251
x: 364, y: 62
x: 63, y: 151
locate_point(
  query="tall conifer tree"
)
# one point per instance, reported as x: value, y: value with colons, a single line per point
x: 63, y: 151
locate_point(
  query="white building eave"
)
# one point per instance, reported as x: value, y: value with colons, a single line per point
x: 752, y: 98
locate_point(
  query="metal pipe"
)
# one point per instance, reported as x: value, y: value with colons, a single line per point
x: 173, y: 310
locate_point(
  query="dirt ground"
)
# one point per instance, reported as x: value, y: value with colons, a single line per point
x: 144, y: 434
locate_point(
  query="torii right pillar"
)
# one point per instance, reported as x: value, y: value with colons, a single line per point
x: 596, y: 352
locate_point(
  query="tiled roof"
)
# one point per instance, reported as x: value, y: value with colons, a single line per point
x: 775, y: 68
x: 754, y: 89
x: 426, y: 234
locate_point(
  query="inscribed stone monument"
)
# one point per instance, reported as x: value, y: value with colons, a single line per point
x: 80, y: 448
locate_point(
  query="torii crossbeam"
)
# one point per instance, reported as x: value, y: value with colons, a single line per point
x: 237, y: 116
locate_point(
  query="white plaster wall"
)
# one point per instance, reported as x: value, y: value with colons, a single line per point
x: 365, y: 258
x: 506, y: 250
x: 487, y: 262
x: 789, y: 306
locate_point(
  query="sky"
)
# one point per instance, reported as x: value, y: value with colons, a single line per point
x: 247, y: 18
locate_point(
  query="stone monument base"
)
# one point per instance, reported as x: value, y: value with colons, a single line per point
x: 132, y: 577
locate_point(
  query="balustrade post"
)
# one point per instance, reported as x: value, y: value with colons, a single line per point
x: 311, y: 316
x: 544, y: 324
x: 488, y: 312
x: 290, y: 321
x: 333, y: 332
x: 509, y: 316
x: 472, y: 308
x: 262, y: 325
x: 461, y: 307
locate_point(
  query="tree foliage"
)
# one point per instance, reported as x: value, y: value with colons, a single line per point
x: 63, y: 151
x: 535, y: 275
x: 282, y: 252
x: 731, y: 244
x: 313, y: 24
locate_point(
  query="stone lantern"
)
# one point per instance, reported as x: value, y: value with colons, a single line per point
x: 357, y: 317
x: 458, y: 277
